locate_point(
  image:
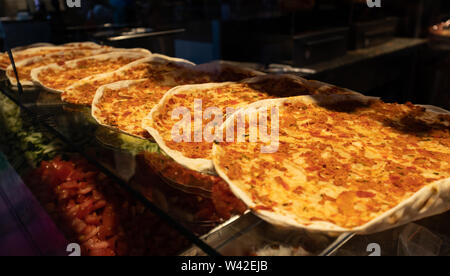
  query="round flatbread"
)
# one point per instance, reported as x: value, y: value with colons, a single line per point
x: 26, y: 54
x: 226, y: 71
x: 39, y: 49
x: 35, y: 45
x: 212, y: 72
x: 84, y: 45
x: 340, y: 163
x: 153, y: 67
x: 123, y: 105
x: 25, y: 67
x: 195, y: 152
x: 57, y: 77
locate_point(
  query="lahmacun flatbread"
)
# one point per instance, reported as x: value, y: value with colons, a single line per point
x: 344, y: 163
x: 56, y: 78
x: 26, y: 54
x: 34, y: 45
x: 123, y: 105
x: 287, y: 85
x: 84, y: 45
x: 212, y: 72
x: 25, y: 67
x: 39, y: 49
x: 153, y: 67
x: 225, y: 71
x: 321, y: 88
x: 195, y: 155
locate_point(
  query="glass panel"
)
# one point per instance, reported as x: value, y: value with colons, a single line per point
x: 90, y: 209
x: 201, y: 203
x: 250, y: 236
x: 427, y: 237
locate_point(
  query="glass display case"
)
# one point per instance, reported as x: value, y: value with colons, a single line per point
x: 199, y: 213
x: 200, y: 208
x: 68, y: 181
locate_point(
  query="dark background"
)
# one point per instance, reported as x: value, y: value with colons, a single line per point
x: 384, y: 52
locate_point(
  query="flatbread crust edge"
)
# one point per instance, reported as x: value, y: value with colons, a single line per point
x: 34, y: 45
x: 87, y: 44
x: 219, y: 65
x: 431, y: 200
x: 35, y: 72
x: 322, y: 86
x: 317, y: 86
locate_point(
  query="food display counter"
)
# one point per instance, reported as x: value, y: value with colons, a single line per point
x: 115, y: 193
x: 206, y: 217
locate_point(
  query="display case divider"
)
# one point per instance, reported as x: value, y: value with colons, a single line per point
x: 11, y: 58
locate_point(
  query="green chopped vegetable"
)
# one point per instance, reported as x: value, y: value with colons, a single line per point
x: 21, y: 139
